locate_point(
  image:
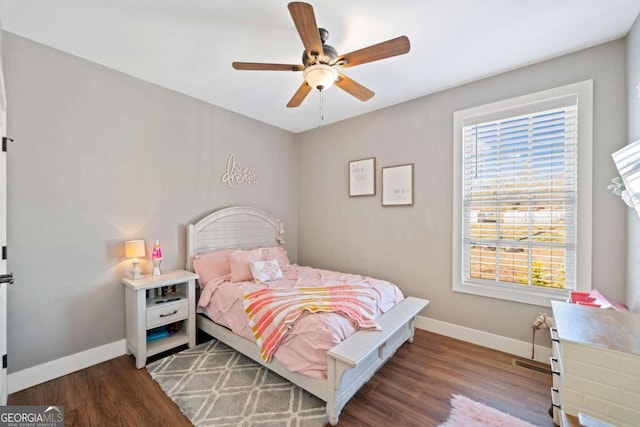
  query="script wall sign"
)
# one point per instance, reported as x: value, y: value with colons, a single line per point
x: 236, y: 174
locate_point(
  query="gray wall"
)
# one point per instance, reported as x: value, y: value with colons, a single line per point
x: 412, y: 246
x: 99, y: 158
x: 633, y: 222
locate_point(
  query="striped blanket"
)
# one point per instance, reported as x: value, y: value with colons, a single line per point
x: 273, y: 311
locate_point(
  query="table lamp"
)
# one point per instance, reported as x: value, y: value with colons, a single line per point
x: 134, y: 249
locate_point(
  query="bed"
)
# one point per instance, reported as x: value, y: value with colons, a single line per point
x: 349, y: 364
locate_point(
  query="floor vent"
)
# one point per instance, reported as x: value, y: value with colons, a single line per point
x: 531, y: 367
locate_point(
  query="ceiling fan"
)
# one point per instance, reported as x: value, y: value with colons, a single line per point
x: 321, y: 61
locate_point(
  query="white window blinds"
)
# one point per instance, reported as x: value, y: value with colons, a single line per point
x: 519, y: 195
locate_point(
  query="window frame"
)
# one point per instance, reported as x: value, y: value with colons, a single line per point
x: 531, y: 294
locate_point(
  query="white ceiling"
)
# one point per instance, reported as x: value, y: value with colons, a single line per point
x: 188, y: 45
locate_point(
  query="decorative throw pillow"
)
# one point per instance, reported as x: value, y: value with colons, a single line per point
x: 266, y: 271
x: 240, y: 264
x: 212, y: 265
x: 278, y: 253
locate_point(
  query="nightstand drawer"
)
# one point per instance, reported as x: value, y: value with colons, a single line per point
x: 167, y: 313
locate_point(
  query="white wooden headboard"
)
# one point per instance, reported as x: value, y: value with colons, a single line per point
x: 240, y: 227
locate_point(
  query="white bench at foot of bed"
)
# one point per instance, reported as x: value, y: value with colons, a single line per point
x: 354, y: 361
x: 350, y: 364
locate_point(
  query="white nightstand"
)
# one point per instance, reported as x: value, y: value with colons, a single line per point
x: 144, y: 314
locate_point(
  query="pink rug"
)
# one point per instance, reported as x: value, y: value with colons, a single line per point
x: 468, y: 413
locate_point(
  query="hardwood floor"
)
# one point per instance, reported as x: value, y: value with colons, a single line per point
x: 413, y: 389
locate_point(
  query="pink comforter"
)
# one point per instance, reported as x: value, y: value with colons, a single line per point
x: 304, y: 349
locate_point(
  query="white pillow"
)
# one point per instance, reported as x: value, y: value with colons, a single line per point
x: 266, y: 271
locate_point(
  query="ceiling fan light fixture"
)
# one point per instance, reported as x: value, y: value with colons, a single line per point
x: 320, y: 76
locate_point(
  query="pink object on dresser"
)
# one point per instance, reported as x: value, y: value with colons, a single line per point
x: 305, y: 348
x: 595, y: 299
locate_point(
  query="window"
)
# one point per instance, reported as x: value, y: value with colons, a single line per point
x: 522, y: 199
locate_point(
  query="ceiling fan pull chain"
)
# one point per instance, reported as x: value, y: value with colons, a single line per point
x: 321, y: 108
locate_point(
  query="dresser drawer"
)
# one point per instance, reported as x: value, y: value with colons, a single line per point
x: 167, y: 313
x: 555, y: 407
x: 555, y: 390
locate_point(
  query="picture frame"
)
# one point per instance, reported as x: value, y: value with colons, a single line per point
x: 397, y: 185
x: 362, y: 177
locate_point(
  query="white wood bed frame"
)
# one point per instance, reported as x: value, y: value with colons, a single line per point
x: 351, y: 363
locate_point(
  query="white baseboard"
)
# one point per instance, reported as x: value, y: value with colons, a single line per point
x: 485, y: 339
x: 57, y: 368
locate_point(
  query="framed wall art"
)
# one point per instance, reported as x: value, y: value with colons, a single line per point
x: 397, y: 185
x: 362, y: 177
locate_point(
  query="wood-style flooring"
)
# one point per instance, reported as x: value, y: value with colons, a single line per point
x: 413, y: 389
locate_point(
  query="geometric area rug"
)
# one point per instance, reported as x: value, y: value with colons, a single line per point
x: 468, y: 413
x: 214, y: 385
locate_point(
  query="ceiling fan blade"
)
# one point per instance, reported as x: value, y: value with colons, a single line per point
x: 398, y: 46
x: 305, y: 20
x: 266, y: 67
x: 354, y: 88
x: 300, y: 95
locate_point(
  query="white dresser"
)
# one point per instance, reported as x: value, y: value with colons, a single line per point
x: 596, y: 363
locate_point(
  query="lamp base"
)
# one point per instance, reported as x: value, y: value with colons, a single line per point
x: 156, y: 267
x: 136, y: 272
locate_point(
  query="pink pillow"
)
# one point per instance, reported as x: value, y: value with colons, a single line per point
x: 278, y: 253
x: 211, y: 265
x: 241, y: 264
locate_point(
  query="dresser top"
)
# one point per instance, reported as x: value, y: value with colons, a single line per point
x: 604, y: 328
